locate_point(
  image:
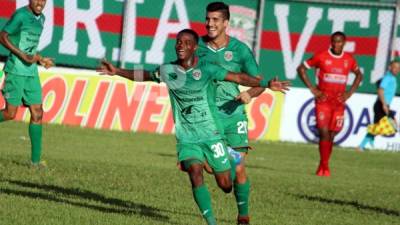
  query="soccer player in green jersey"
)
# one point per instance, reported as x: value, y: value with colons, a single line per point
x: 192, y: 95
x: 233, y: 55
x: 21, y: 36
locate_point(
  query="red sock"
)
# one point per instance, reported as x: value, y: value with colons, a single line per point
x: 324, y: 148
x: 330, y: 148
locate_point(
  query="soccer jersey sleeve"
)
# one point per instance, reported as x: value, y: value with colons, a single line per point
x: 250, y: 65
x: 384, y: 82
x: 312, y: 62
x: 13, y: 25
x: 354, y: 67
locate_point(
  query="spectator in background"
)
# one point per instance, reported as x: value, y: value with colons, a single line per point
x: 386, y: 92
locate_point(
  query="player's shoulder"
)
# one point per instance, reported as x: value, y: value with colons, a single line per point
x: 203, y: 41
x: 236, y: 43
x: 347, y: 55
x: 21, y: 12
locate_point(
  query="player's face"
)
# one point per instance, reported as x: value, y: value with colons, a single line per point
x: 337, y: 43
x: 37, y: 6
x: 395, y: 68
x: 216, y: 24
x: 185, y: 46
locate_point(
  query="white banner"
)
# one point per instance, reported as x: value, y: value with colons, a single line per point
x: 298, y: 120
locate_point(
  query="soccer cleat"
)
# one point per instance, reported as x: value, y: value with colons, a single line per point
x: 320, y: 171
x: 243, y: 220
x: 235, y: 155
x: 327, y: 172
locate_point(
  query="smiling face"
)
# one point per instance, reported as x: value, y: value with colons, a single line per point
x: 216, y: 24
x: 37, y: 6
x: 185, y: 46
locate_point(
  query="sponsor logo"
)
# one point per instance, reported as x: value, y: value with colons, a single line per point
x: 335, y: 78
x: 307, y: 123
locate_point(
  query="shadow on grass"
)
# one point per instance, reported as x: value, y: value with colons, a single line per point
x: 355, y: 204
x: 114, y: 205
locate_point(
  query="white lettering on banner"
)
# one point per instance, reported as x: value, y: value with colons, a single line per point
x: 47, y: 34
x: 156, y: 54
x: 385, y: 20
x: 128, y: 51
x: 292, y: 61
x: 73, y: 16
x: 340, y: 17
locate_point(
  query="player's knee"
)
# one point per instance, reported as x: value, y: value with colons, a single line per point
x: 37, y: 115
x: 196, y: 175
x: 9, y: 114
x: 225, y: 185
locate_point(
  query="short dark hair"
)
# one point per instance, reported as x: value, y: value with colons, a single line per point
x: 191, y: 32
x: 338, y: 33
x: 219, y: 7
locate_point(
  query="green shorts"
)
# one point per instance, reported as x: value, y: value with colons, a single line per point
x: 22, y: 89
x: 236, y: 133
x: 213, y: 151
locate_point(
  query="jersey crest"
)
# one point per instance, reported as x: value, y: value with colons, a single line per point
x: 228, y: 56
x: 196, y: 74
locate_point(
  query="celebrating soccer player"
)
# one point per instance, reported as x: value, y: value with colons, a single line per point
x: 228, y: 52
x: 189, y: 81
x: 333, y: 66
x: 21, y: 36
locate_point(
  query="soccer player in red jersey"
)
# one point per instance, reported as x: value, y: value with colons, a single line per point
x: 333, y: 68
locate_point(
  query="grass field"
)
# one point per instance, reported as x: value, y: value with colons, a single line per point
x: 99, y: 177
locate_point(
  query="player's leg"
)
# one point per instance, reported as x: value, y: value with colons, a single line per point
x: 192, y: 161
x: 323, y: 118
x: 33, y: 98
x: 237, y: 138
x: 12, y: 92
x: 336, y: 125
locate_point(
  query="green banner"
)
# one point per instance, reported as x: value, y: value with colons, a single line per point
x: 80, y: 33
x: 294, y: 31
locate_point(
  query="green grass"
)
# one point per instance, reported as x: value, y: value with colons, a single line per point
x: 101, y: 177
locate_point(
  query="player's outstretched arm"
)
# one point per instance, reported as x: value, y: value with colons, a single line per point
x: 246, y: 80
x: 106, y: 68
x: 5, y: 41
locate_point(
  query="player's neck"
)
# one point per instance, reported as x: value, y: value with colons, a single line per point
x: 188, y: 63
x: 220, y: 41
x: 336, y: 53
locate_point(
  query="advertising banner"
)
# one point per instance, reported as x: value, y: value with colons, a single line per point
x: 299, y: 124
x: 84, y: 98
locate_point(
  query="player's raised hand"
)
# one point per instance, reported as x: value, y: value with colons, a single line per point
x: 106, y: 68
x: 278, y: 85
x: 244, y: 97
x: 46, y: 62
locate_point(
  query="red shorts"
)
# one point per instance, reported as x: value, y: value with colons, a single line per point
x: 329, y: 115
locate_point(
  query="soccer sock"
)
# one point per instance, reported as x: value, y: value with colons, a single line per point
x: 203, y: 201
x: 1, y: 116
x: 323, y: 152
x: 329, y: 153
x: 233, y: 168
x: 367, y: 139
x: 242, y: 192
x: 35, y: 133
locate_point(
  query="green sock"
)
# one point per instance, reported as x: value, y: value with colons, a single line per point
x: 242, y: 192
x: 233, y: 168
x: 35, y: 133
x: 1, y: 116
x: 203, y: 201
